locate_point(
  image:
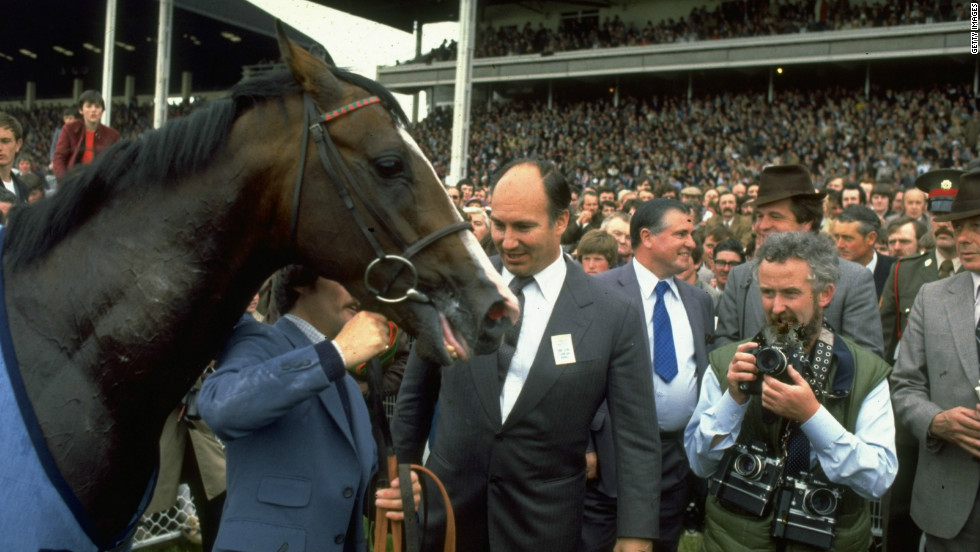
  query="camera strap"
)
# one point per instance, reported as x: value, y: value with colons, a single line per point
x: 815, y: 371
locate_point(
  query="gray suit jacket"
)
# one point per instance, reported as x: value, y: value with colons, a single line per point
x: 937, y: 369
x: 853, y: 312
x: 700, y: 313
x: 520, y: 485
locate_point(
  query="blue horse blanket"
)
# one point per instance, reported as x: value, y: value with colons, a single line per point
x: 38, y: 510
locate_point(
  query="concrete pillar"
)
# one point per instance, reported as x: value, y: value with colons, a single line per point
x: 461, y: 100
x: 77, y: 87
x: 129, y: 93
x: 161, y: 88
x: 30, y: 95
x: 186, y: 85
x: 769, y: 95
x: 867, y: 80
x: 108, y: 55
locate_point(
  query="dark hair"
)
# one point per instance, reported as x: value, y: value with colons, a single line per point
x: 867, y: 220
x: 697, y: 253
x: 732, y: 245
x: 894, y: 225
x: 718, y: 232
x: 862, y: 199
x: 664, y: 188
x: 32, y: 182
x: 70, y: 112
x: 808, y: 209
x: 632, y: 203
x: 9, y: 121
x: 91, y: 96
x: 650, y: 215
x: 598, y: 242
x: 556, y: 186
x: 284, y: 284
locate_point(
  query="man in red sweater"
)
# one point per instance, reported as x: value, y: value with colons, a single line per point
x: 83, y: 139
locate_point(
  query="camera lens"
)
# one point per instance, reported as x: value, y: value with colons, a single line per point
x: 748, y: 466
x: 820, y: 502
x: 770, y: 360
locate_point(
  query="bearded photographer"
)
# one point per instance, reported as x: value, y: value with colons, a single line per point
x: 792, y: 456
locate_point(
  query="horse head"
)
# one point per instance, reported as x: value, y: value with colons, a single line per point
x: 366, y: 188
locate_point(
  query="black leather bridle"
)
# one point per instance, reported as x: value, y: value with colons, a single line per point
x: 331, y: 159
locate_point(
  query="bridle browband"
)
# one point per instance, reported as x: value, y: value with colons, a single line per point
x: 330, y: 158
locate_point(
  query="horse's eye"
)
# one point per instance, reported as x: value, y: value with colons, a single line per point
x: 389, y: 167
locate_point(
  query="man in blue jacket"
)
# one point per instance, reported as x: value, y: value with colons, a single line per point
x: 300, y: 453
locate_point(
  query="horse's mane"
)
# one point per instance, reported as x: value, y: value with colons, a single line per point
x: 181, y: 147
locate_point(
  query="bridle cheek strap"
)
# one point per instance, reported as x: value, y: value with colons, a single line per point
x: 331, y: 159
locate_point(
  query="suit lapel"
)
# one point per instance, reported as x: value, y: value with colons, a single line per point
x: 483, y: 370
x: 959, y: 312
x: 698, y: 331
x: 328, y: 397
x: 752, y: 317
x: 571, y: 315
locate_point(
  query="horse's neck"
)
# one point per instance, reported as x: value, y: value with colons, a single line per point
x: 140, y: 296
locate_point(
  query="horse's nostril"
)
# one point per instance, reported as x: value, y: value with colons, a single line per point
x: 497, y: 311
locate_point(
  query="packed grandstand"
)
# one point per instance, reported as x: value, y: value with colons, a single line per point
x: 890, y: 129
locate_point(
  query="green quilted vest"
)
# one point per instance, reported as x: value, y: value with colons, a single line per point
x: 729, y: 531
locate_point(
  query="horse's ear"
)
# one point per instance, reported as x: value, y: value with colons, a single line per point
x: 309, y: 71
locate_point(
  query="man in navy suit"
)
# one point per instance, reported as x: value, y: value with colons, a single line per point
x: 512, y: 426
x: 660, y: 232
x: 300, y: 453
x: 855, y: 231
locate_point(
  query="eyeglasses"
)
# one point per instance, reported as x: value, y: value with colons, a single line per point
x: 729, y: 264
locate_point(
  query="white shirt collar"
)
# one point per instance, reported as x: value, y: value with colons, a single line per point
x: 311, y: 333
x: 648, y: 280
x: 549, y: 279
x: 874, y: 262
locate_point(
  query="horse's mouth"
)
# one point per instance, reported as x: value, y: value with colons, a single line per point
x: 455, y: 344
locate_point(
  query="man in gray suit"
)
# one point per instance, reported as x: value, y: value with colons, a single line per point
x: 787, y: 203
x: 512, y: 426
x: 935, y: 388
x: 660, y: 232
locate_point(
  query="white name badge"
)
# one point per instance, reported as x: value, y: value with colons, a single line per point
x: 561, y: 346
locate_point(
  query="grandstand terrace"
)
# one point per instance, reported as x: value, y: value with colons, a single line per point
x: 699, y: 93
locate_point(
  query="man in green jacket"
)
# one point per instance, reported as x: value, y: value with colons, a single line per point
x: 827, y: 416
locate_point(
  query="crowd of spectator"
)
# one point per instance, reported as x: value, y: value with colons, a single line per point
x: 727, y: 20
x: 893, y: 135
x: 39, y: 123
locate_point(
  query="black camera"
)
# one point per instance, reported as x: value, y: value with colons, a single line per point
x: 806, y: 511
x: 769, y: 360
x: 747, y: 478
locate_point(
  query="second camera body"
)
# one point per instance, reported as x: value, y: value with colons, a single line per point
x: 806, y: 511
x: 747, y: 478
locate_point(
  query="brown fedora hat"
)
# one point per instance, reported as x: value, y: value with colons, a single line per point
x: 966, y: 204
x: 779, y: 182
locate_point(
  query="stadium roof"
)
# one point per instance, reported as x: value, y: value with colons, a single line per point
x: 52, y: 42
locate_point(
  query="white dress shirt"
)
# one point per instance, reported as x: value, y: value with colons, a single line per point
x: 873, y: 264
x: 675, y: 400
x: 540, y: 297
x: 864, y: 460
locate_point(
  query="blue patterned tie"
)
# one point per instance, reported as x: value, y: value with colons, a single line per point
x: 664, y: 358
